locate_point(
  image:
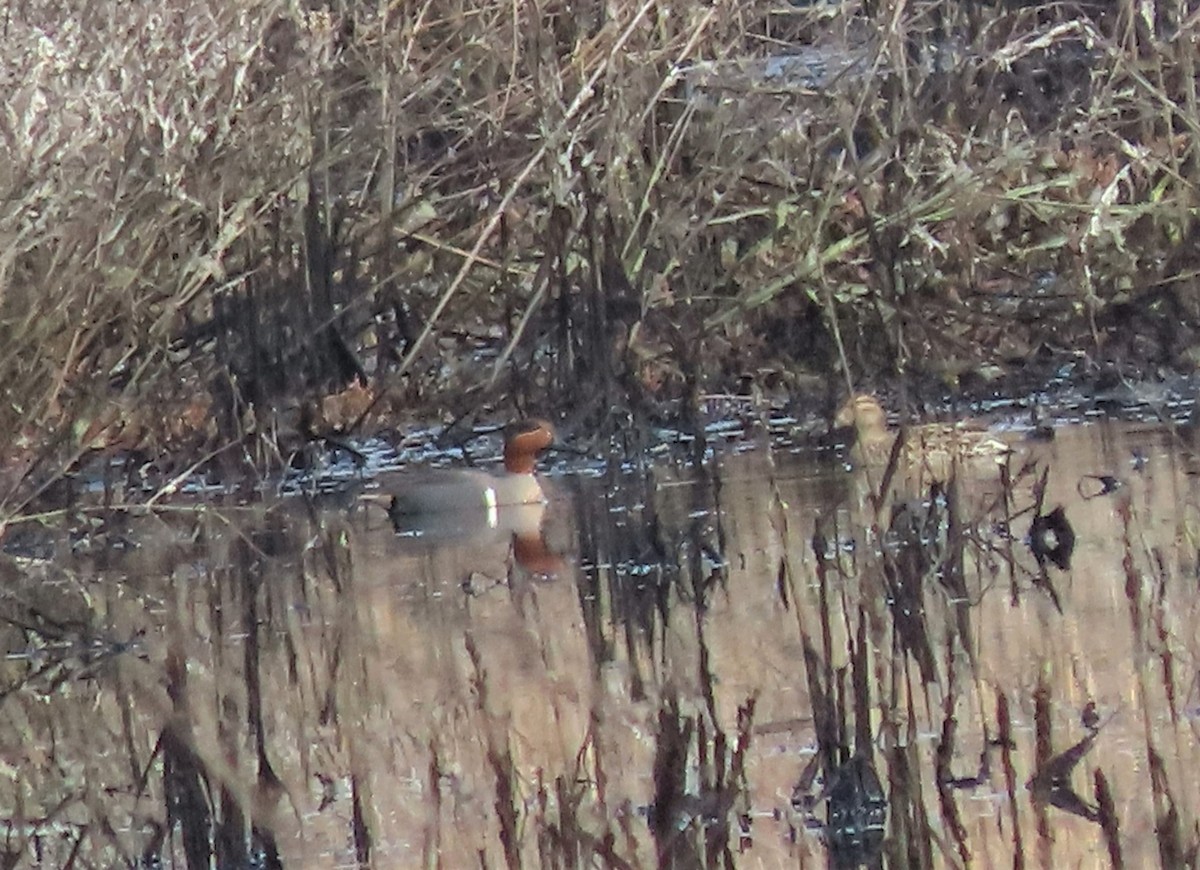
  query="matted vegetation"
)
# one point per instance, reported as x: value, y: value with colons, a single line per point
x: 215, y: 215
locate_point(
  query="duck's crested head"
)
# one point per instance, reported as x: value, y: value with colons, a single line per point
x: 864, y: 413
x: 524, y: 441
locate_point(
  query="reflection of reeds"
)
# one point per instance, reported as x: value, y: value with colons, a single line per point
x: 699, y: 811
x: 302, y: 682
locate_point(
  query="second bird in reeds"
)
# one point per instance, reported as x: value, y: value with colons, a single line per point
x: 934, y: 446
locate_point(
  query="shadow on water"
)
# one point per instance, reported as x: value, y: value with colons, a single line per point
x: 774, y: 661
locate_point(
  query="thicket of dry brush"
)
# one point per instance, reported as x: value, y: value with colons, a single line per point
x: 214, y: 211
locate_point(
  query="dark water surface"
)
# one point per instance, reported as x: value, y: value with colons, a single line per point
x: 752, y: 667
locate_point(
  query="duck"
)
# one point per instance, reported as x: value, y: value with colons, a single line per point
x: 932, y: 445
x: 905, y: 483
x: 474, y: 491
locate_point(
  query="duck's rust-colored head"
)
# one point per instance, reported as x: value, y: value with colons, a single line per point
x: 524, y: 441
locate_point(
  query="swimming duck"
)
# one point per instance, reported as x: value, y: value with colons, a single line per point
x: 933, y: 445
x: 473, y: 491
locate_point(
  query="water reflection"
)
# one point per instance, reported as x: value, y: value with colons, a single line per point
x: 767, y: 664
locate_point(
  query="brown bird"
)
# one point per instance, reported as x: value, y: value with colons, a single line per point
x: 933, y: 446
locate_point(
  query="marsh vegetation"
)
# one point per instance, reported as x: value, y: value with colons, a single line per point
x: 229, y: 229
x: 239, y: 239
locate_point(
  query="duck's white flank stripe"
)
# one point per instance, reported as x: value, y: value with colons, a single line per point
x: 489, y: 501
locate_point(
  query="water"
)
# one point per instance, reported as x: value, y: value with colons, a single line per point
x: 748, y: 667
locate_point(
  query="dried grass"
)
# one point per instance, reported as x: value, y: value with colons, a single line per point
x: 213, y: 210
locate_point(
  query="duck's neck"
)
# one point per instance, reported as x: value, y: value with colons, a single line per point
x: 874, y: 433
x: 519, y: 462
